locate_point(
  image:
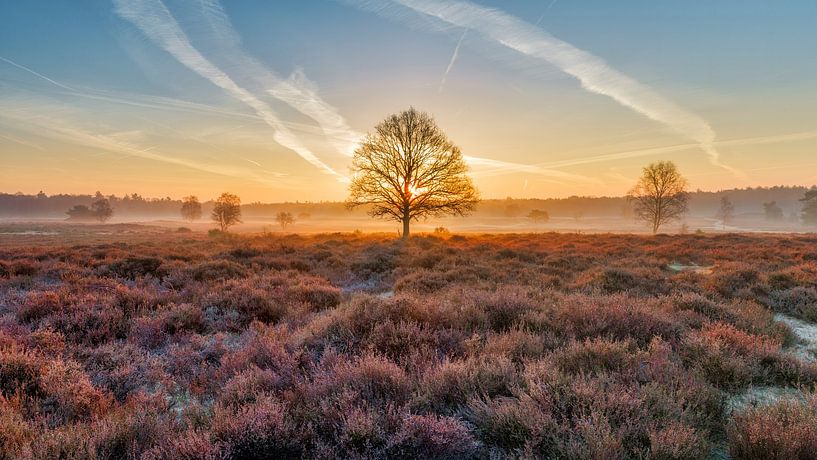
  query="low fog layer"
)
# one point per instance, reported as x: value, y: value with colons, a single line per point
x: 751, y: 213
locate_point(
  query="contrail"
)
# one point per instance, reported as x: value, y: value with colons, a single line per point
x: 302, y: 95
x: 297, y: 91
x: 761, y: 140
x: 159, y: 102
x: 156, y: 102
x: 55, y: 128
x: 504, y: 166
x: 594, y: 74
x: 19, y: 66
x: 154, y: 19
x: 452, y: 61
x: 539, y: 21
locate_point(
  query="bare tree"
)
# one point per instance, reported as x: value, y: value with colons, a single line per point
x: 408, y: 169
x: 726, y: 211
x: 809, y: 213
x: 538, y: 216
x: 102, y: 210
x: 284, y: 219
x: 660, y: 195
x: 773, y: 211
x: 227, y: 211
x: 191, y: 208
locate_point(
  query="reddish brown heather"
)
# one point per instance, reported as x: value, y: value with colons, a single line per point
x: 158, y: 344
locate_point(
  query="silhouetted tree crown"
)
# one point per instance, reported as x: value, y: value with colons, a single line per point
x: 80, y: 212
x: 191, y: 208
x: 227, y: 211
x: 408, y: 169
x: 100, y: 210
x: 284, y: 219
x: 539, y: 216
x: 809, y: 213
x: 726, y: 211
x: 660, y: 195
x: 772, y: 211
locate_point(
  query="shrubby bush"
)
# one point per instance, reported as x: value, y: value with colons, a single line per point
x: 136, y: 267
x: 786, y: 429
x: 800, y: 302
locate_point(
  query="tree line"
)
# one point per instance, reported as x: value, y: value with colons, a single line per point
x: 701, y: 203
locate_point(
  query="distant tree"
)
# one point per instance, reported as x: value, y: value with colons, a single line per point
x: 408, y: 169
x: 538, y: 216
x: 102, y: 210
x: 191, y: 208
x: 284, y: 219
x: 772, y: 211
x: 511, y: 209
x: 227, y: 211
x: 80, y: 212
x: 809, y: 213
x: 660, y: 195
x: 726, y: 211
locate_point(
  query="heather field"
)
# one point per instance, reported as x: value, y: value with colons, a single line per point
x: 143, y: 342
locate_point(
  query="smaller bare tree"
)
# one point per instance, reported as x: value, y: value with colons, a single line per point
x: 726, y: 211
x: 284, y: 219
x: 809, y: 214
x: 773, y: 211
x: 227, y: 211
x: 660, y: 195
x: 191, y: 208
x: 102, y: 210
x: 538, y: 216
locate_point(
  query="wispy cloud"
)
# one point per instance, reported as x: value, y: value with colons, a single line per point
x: 24, y: 142
x: 297, y: 91
x: 636, y: 153
x: 120, y: 143
x: 453, y: 61
x: 303, y: 95
x: 482, y: 166
x: 489, y: 167
x: 594, y: 74
x: 158, y: 24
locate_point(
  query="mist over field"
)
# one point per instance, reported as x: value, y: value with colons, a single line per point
x: 587, y: 214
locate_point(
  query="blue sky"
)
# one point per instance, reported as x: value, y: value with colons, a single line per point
x: 545, y: 98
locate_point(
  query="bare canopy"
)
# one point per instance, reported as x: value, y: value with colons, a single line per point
x: 408, y: 169
x: 227, y: 211
x: 660, y: 195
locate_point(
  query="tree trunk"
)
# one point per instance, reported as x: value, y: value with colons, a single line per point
x: 406, y: 221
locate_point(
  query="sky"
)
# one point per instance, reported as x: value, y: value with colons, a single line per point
x: 546, y: 98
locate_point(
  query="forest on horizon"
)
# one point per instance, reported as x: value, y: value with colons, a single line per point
x: 747, y: 202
